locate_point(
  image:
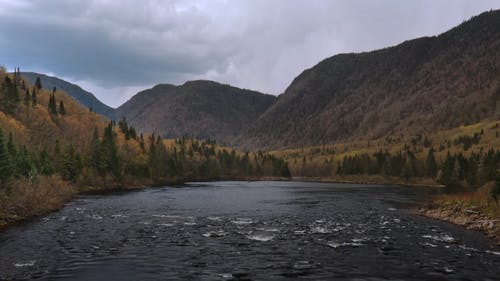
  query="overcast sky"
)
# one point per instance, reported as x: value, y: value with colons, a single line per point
x: 116, y: 48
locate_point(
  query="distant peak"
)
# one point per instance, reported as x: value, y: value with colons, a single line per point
x: 163, y: 86
x: 203, y: 83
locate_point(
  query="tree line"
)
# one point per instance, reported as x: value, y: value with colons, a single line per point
x: 186, y: 159
x: 474, y: 169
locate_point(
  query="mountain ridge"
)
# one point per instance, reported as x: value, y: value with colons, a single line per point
x: 199, y: 108
x: 428, y: 83
x: 83, y: 97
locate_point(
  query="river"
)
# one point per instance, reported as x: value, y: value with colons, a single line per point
x: 247, y: 231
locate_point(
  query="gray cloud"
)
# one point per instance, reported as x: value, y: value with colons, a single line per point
x: 114, y: 48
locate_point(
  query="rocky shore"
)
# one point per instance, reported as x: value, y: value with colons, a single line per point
x: 471, y: 218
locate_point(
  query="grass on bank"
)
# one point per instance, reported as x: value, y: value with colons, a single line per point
x: 31, y: 198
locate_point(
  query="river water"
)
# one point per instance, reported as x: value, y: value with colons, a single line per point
x: 247, y: 231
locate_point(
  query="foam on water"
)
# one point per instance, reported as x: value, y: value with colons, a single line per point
x: 226, y: 275
x: 25, y: 264
x: 443, y: 238
x: 119, y: 216
x: 261, y: 236
x: 429, y: 244
x: 336, y: 245
x: 218, y: 233
x: 320, y: 230
x: 269, y: 229
x: 95, y: 217
x: 165, y: 224
x: 492, y: 252
x: 242, y: 221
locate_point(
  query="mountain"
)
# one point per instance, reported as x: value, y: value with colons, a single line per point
x: 203, y: 109
x: 422, y: 85
x: 83, y: 97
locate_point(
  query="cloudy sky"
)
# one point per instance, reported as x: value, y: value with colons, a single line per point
x: 115, y: 48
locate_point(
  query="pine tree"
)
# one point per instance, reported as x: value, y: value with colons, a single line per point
x: 62, y: 110
x: 495, y: 191
x: 95, y: 151
x: 141, y: 143
x: 11, y: 96
x: 446, y: 173
x: 52, y: 105
x: 430, y: 164
x: 33, y: 98
x: 38, y: 83
x: 46, y: 165
x: 11, y: 149
x: 71, y: 164
x: 110, y: 158
x: 27, y: 98
x: 25, y: 166
x: 6, y: 170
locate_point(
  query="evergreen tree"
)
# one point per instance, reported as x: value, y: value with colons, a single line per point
x: 25, y: 166
x: 141, y: 143
x: 27, y: 98
x: 110, y: 158
x: 446, y: 173
x: 62, y: 111
x: 52, y: 105
x: 11, y: 149
x: 45, y: 163
x: 495, y: 191
x: 11, y: 96
x: 12, y: 92
x: 430, y: 164
x: 38, y: 83
x: 33, y: 98
x: 6, y: 170
x: 71, y: 164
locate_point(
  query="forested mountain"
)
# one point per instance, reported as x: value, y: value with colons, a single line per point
x: 423, y: 85
x: 202, y: 109
x: 83, y: 97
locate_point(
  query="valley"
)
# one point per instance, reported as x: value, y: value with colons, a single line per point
x: 379, y: 145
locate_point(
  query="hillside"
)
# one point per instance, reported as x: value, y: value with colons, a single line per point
x: 203, y: 109
x: 83, y: 97
x: 423, y: 85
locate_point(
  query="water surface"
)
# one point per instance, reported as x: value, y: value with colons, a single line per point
x: 247, y: 231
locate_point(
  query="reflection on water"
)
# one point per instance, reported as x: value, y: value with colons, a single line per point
x: 247, y: 231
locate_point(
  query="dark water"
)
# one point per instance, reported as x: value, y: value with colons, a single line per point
x: 247, y: 231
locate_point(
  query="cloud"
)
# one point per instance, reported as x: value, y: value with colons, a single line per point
x: 115, y: 47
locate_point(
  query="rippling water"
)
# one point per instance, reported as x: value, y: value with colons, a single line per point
x: 247, y: 231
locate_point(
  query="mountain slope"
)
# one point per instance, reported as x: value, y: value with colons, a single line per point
x: 426, y: 84
x: 203, y: 109
x: 83, y: 97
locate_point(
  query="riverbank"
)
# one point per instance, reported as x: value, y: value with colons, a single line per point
x: 473, y: 210
x: 49, y: 193
x: 34, y: 198
x: 372, y: 179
